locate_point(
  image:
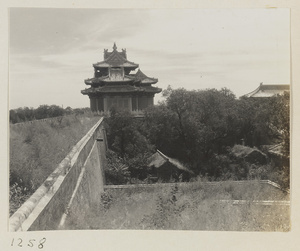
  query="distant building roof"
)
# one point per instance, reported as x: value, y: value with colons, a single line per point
x: 264, y: 91
x: 274, y: 149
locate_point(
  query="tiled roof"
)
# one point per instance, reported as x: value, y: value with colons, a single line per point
x: 274, y: 149
x: 268, y: 90
x: 98, y: 80
x: 122, y: 53
x: 151, y: 89
x: 115, y: 59
x: 140, y: 76
x: 121, y: 88
x: 158, y: 159
x: 119, y: 78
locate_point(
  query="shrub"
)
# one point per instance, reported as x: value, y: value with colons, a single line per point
x: 168, y: 211
x: 116, y: 170
x: 18, y: 194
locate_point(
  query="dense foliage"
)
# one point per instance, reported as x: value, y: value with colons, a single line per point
x: 24, y: 114
x: 199, y: 128
x: 194, y: 126
x: 129, y: 145
x: 199, y: 124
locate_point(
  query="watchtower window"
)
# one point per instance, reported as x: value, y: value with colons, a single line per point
x: 116, y: 73
x: 97, y: 73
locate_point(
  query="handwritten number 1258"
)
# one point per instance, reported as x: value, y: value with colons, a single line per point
x: 31, y: 243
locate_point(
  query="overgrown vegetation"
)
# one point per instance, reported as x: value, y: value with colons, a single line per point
x: 196, y: 206
x: 203, y: 129
x: 129, y: 146
x: 37, y: 148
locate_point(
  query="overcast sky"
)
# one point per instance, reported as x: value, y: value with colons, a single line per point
x: 52, y: 50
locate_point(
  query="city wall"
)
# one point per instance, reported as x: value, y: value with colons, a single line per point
x: 77, y: 181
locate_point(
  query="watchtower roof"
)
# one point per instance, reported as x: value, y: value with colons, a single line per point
x: 140, y: 76
x: 115, y: 59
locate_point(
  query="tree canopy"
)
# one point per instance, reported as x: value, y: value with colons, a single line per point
x: 196, y: 125
x: 24, y: 114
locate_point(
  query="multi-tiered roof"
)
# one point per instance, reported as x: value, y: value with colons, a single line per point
x: 112, y: 75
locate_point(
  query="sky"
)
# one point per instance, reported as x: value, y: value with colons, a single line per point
x: 51, y: 51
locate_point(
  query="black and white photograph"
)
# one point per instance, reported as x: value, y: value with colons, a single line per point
x: 149, y: 119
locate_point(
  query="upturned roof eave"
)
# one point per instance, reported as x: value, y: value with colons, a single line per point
x: 158, y: 90
x: 117, y: 81
x: 106, y: 79
x: 248, y: 95
x: 152, y: 82
x: 143, y: 77
x: 98, y: 65
x: 118, y: 89
x: 84, y: 92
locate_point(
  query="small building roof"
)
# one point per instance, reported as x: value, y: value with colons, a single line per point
x: 264, y: 91
x: 274, y: 149
x: 158, y: 159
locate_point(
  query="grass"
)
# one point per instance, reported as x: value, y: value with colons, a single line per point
x: 192, y: 207
x: 37, y: 148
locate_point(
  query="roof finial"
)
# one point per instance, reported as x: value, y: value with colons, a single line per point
x: 115, y: 47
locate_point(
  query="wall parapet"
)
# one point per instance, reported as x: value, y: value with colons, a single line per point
x: 56, y: 190
x: 183, y: 184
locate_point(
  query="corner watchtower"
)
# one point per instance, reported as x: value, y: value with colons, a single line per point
x: 114, y: 86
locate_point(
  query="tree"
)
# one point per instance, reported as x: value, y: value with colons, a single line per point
x: 21, y: 115
x: 161, y: 128
x: 280, y: 119
x: 193, y: 125
x: 126, y: 138
x: 124, y: 134
x: 263, y: 121
x: 43, y: 111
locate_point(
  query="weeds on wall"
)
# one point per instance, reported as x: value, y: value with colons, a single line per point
x: 37, y: 148
x: 194, y: 206
x: 168, y: 212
